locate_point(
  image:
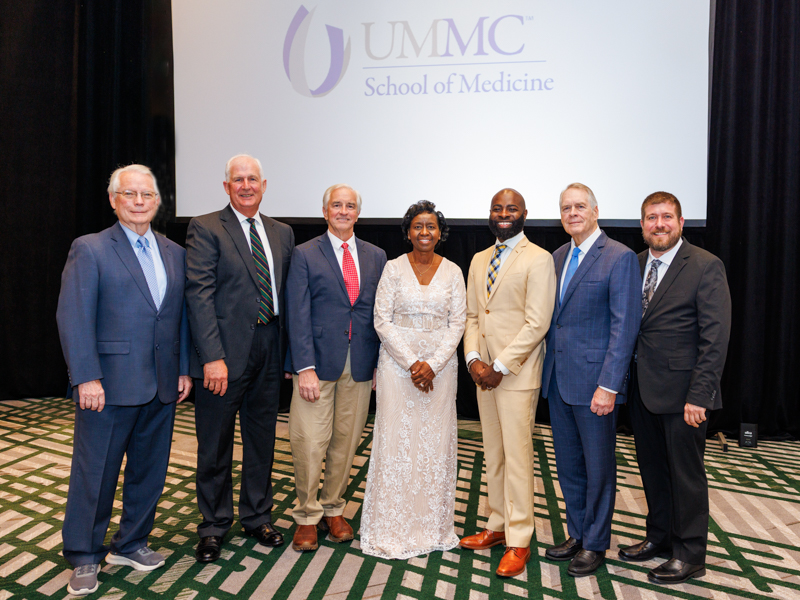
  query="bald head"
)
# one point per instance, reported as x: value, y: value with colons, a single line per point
x: 507, y: 214
x: 510, y: 195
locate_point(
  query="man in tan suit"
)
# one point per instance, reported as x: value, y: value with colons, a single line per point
x: 510, y: 295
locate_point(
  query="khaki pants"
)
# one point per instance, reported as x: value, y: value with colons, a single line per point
x: 328, y: 429
x: 507, y: 418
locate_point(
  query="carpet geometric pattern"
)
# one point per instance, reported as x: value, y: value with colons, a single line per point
x: 753, y: 544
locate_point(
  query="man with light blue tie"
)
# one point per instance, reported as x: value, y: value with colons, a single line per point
x: 589, y: 348
x: 123, y: 327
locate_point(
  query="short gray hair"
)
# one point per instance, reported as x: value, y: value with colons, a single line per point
x: 113, y: 181
x: 326, y: 197
x: 583, y: 188
x: 237, y: 157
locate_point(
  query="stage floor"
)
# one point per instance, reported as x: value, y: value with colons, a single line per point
x: 754, y: 541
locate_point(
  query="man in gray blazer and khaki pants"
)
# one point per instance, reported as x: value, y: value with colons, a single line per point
x: 236, y: 262
x: 680, y: 355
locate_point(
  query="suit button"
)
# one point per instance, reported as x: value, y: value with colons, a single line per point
x: 158, y: 318
x: 258, y: 299
x: 487, y: 312
x: 252, y: 326
x: 558, y: 326
x: 483, y: 336
x: 352, y: 309
x: 347, y: 332
x: 157, y: 346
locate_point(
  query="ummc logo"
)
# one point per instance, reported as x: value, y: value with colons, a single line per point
x: 294, y: 51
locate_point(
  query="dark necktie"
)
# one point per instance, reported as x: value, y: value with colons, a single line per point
x: 267, y: 309
x: 650, y: 284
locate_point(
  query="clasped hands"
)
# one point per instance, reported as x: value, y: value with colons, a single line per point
x: 484, y: 375
x: 422, y: 376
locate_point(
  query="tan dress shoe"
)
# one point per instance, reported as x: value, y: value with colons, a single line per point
x: 513, y: 562
x: 305, y: 538
x: 484, y: 539
x: 338, y: 529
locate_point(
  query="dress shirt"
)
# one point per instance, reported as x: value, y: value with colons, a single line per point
x: 158, y: 263
x: 339, y: 252
x: 666, y: 260
x: 510, y: 243
x: 584, y: 248
x: 264, y: 242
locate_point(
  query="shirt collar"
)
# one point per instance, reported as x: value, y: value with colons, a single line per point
x: 337, y: 243
x: 243, y: 219
x: 133, y: 237
x: 511, y: 242
x: 587, y: 243
x: 666, y: 258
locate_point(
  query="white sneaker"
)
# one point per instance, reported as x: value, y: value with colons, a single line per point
x: 143, y: 559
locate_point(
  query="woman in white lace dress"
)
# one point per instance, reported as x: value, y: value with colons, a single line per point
x: 420, y: 308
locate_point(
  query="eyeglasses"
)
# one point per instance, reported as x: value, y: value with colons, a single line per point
x: 131, y: 195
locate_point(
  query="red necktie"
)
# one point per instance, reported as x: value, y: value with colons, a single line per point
x: 350, y: 280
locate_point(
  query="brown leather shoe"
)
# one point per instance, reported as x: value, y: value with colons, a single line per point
x: 305, y: 538
x: 513, y: 562
x: 338, y: 529
x: 485, y: 539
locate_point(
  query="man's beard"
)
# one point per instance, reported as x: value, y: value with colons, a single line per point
x: 662, y: 244
x: 506, y: 234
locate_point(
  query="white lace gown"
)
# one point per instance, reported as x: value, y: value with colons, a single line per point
x: 409, y: 501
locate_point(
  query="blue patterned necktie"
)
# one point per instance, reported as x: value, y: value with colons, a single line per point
x: 149, y: 268
x: 650, y: 284
x: 266, y: 311
x: 494, y: 267
x: 571, y: 268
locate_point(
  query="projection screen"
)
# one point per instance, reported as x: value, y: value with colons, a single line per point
x: 447, y: 101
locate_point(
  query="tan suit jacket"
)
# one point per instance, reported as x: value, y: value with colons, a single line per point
x: 511, y: 324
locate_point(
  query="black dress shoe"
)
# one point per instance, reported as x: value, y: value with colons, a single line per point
x: 585, y: 562
x: 643, y: 551
x: 266, y: 535
x: 564, y: 551
x: 675, y: 571
x: 208, y: 549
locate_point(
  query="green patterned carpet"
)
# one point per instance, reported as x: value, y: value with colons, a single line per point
x: 753, y: 551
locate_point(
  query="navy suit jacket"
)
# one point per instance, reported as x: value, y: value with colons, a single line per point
x: 319, y: 312
x: 593, y: 331
x: 109, y: 326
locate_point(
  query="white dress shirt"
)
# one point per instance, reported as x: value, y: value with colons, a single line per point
x: 666, y: 260
x: 510, y: 243
x: 264, y: 242
x: 158, y: 263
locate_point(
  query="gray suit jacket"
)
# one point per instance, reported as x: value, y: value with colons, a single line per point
x: 683, y: 339
x: 222, y: 294
x: 109, y: 326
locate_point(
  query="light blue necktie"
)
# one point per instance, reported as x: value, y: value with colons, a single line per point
x: 149, y: 268
x: 571, y: 268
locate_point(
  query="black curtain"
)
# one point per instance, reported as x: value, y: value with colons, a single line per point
x: 87, y: 86
x: 754, y: 165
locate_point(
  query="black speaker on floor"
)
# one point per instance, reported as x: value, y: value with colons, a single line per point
x: 748, y: 435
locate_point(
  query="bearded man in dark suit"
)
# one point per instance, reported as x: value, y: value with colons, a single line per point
x: 680, y: 355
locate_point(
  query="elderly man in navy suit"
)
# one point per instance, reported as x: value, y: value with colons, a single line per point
x: 334, y: 351
x: 124, y: 332
x: 589, y: 348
